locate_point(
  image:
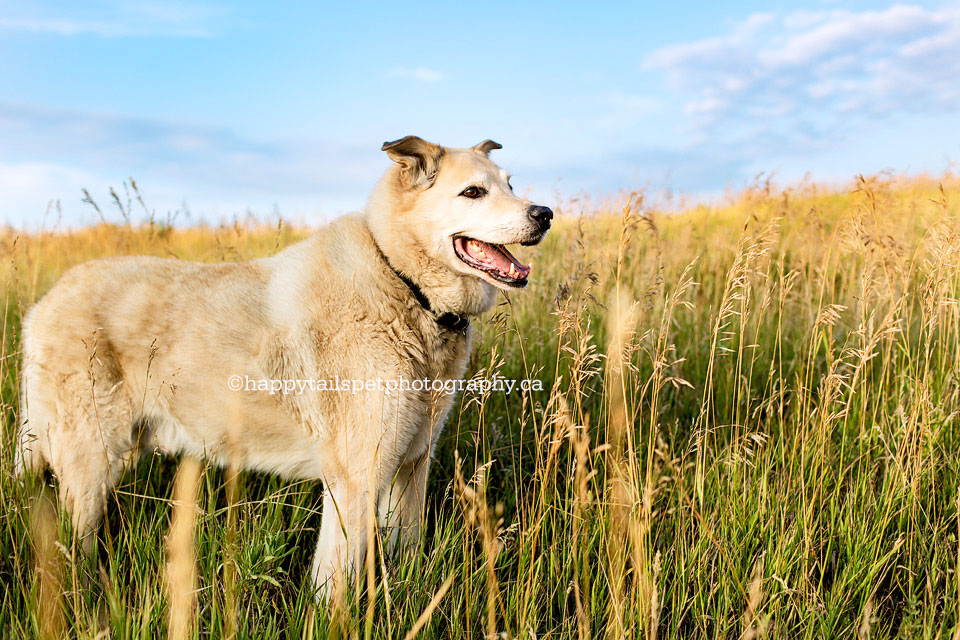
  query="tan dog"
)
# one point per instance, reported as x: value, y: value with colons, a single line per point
x: 125, y: 355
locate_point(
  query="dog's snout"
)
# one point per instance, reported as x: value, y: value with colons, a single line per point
x: 539, y: 214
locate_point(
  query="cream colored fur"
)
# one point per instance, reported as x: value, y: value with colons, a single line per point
x: 127, y: 355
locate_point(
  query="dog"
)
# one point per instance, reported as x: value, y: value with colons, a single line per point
x: 132, y: 354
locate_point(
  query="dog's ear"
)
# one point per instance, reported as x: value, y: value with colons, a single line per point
x: 419, y: 160
x: 486, y: 147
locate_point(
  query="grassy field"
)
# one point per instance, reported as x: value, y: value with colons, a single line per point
x: 748, y: 429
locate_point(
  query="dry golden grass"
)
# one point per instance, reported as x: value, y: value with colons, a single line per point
x: 747, y: 428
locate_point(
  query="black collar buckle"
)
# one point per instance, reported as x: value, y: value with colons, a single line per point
x: 454, y: 322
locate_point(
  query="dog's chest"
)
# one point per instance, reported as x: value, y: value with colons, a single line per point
x: 445, y: 352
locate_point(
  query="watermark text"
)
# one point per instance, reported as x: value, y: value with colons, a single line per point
x: 389, y: 386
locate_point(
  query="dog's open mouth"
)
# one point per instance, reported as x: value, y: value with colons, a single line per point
x: 493, y: 259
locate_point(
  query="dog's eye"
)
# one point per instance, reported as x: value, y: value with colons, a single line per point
x: 510, y: 186
x: 473, y: 192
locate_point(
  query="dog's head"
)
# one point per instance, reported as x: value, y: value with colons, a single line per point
x: 460, y: 209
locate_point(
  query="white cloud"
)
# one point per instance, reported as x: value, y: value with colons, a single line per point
x: 420, y: 74
x: 167, y: 19
x: 50, y: 154
x: 817, y: 70
x: 32, y: 189
x: 709, y: 51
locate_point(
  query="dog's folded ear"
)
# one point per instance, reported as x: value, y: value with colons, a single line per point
x: 419, y: 160
x: 486, y: 147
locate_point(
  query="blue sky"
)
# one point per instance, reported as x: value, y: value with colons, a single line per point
x: 223, y: 108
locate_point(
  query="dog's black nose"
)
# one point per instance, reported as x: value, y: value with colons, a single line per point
x: 540, y: 215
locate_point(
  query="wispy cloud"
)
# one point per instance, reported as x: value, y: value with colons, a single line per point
x: 165, y: 19
x: 419, y: 74
x: 44, y: 149
x: 815, y: 72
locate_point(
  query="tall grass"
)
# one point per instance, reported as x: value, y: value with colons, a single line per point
x: 747, y: 428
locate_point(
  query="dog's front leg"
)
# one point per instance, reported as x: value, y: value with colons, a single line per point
x: 402, y: 503
x: 343, y: 537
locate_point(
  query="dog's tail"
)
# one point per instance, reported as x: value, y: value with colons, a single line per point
x: 28, y: 457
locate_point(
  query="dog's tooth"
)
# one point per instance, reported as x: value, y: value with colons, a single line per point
x: 513, y: 270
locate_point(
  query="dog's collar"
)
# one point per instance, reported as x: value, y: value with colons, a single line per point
x: 450, y: 321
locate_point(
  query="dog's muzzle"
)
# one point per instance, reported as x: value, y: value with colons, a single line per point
x: 541, y: 217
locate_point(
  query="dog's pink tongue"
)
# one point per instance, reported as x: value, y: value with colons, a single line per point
x: 498, y: 257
